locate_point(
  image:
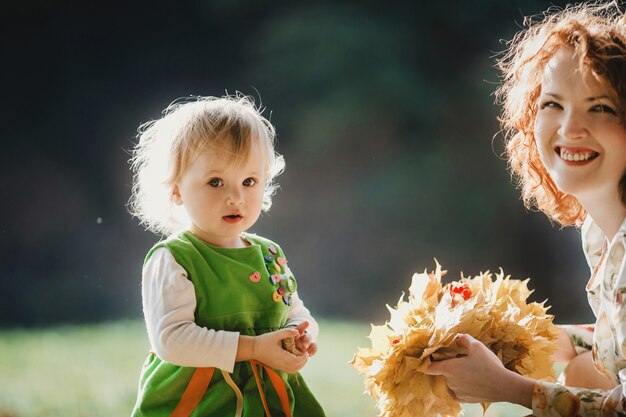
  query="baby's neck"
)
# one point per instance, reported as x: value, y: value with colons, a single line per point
x: 231, y: 242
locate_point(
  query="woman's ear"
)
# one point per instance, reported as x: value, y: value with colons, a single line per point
x: 176, y: 198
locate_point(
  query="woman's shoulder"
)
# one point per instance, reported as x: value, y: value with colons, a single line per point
x: 622, y: 229
x: 593, y: 241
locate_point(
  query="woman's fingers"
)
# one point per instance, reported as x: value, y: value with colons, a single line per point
x: 440, y: 367
x: 464, y: 340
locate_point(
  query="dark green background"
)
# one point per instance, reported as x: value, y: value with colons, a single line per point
x: 384, y: 112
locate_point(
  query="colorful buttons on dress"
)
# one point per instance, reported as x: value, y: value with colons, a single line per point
x: 284, y: 285
x: 255, y: 277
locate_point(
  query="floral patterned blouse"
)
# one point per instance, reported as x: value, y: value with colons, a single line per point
x: 606, y: 292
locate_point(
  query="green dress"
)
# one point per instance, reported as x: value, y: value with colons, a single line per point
x: 246, y: 290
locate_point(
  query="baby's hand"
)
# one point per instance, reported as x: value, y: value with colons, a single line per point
x: 268, y: 350
x: 305, y: 343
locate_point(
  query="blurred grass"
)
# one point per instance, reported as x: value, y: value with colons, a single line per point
x: 92, y: 371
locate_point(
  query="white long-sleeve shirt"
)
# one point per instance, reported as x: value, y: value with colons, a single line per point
x: 169, y: 304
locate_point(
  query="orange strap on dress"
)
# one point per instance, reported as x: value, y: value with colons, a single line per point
x: 279, y: 387
x: 198, y: 385
x: 201, y: 379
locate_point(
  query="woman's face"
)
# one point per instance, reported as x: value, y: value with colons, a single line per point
x: 579, y: 134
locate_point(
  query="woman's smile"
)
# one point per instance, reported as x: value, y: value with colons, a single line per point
x: 576, y: 156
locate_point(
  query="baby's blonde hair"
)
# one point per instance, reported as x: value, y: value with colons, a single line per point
x: 596, y: 31
x: 167, y: 146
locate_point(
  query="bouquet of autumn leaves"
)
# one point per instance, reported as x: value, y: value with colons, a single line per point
x: 423, y: 329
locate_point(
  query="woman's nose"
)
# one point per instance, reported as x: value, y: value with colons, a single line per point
x: 573, y: 125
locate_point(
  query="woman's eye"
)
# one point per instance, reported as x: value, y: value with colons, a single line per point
x: 216, y: 182
x: 603, y: 108
x: 249, y: 182
x: 549, y: 104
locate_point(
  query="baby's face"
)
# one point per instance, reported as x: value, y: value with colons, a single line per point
x: 222, y: 199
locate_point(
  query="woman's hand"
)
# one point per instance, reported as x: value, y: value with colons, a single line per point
x: 267, y: 349
x: 305, y: 343
x: 480, y: 376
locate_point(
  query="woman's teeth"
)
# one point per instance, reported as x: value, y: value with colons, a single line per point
x: 576, y: 156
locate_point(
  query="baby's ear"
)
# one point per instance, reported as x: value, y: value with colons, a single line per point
x: 176, y: 198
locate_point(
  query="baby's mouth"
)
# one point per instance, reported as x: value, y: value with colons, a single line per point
x: 232, y: 218
x: 576, y: 154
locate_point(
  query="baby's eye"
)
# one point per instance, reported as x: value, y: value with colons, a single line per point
x: 216, y: 182
x: 549, y: 104
x: 603, y: 108
x: 249, y: 182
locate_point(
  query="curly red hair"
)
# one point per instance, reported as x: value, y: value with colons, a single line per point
x: 597, y: 33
